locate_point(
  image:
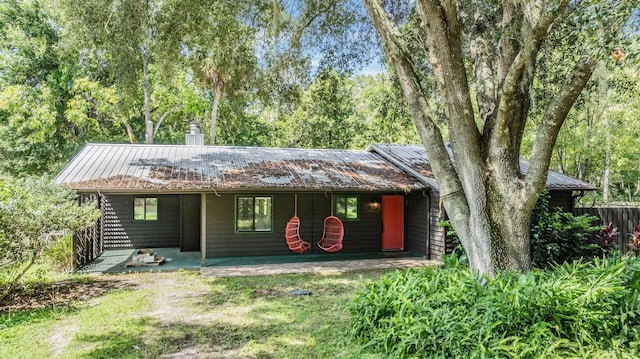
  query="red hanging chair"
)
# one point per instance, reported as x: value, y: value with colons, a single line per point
x: 333, y: 233
x: 292, y: 232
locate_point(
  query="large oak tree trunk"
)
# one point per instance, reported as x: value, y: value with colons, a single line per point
x: 487, y: 199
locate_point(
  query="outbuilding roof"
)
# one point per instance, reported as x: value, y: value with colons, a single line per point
x: 179, y: 168
x: 415, y: 157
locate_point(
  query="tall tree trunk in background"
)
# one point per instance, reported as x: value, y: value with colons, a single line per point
x: 606, y: 180
x: 488, y: 201
x: 218, y: 93
x: 148, y: 123
x: 130, y: 134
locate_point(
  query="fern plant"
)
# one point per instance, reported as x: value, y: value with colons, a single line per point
x: 574, y: 310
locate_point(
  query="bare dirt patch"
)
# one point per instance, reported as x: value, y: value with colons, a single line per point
x: 43, y: 295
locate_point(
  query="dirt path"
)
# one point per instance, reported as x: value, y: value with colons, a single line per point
x: 174, y: 299
x: 172, y: 296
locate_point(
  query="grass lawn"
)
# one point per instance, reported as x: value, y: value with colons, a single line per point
x: 184, y: 315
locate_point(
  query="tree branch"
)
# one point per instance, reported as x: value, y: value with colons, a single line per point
x: 15, y: 277
x: 311, y: 19
x: 163, y: 117
x: 485, y: 83
x: 444, y: 40
x: 440, y: 23
x: 525, y: 57
x: 553, y: 119
x: 524, y: 29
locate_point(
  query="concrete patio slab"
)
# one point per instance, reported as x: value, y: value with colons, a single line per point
x: 115, y: 261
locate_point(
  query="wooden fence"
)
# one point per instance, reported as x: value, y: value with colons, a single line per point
x: 625, y: 218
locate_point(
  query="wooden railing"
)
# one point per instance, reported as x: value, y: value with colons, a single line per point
x: 89, y: 244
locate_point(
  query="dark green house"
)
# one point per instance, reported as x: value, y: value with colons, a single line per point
x: 236, y: 201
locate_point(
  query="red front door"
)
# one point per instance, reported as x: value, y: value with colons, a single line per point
x: 392, y: 223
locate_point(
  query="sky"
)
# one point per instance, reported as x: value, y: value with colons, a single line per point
x: 373, y: 68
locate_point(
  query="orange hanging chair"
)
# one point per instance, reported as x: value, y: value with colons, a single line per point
x: 292, y: 232
x: 333, y: 233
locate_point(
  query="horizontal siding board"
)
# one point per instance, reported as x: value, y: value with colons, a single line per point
x: 190, y: 223
x: 361, y: 236
x: 121, y: 231
x: 222, y: 241
x: 561, y: 199
x: 364, y: 235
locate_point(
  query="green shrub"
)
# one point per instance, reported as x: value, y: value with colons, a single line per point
x: 452, y: 238
x: 32, y: 211
x: 557, y: 236
x: 60, y: 253
x: 573, y: 310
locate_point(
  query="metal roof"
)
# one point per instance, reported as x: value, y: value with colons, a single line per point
x: 177, y: 168
x: 557, y: 181
x: 415, y: 156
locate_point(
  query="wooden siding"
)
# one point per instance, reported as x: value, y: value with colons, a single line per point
x: 562, y: 199
x: 190, y: 222
x: 121, y: 231
x: 437, y: 242
x: 360, y: 236
x: 421, y: 224
x: 416, y: 217
x: 625, y: 218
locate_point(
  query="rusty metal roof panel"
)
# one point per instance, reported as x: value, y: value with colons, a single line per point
x: 124, y: 167
x: 415, y: 156
x: 411, y: 158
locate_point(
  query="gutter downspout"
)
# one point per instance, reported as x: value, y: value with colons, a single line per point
x: 575, y: 198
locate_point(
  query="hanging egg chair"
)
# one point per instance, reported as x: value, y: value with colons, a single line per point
x: 292, y: 232
x: 333, y: 233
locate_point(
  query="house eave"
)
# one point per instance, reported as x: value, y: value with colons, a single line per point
x: 124, y: 191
